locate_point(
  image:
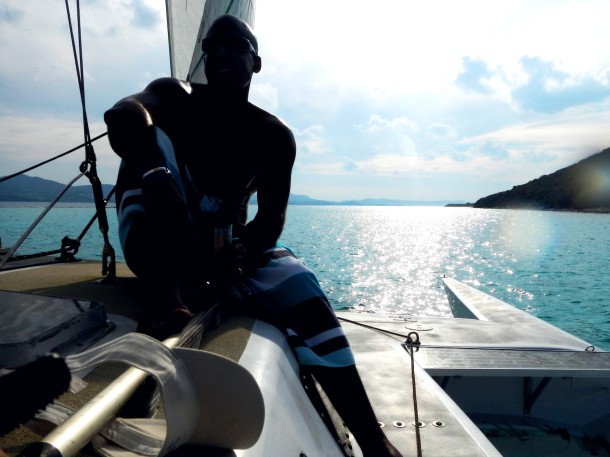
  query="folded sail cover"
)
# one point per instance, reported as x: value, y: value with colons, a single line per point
x: 188, y: 21
x: 208, y: 399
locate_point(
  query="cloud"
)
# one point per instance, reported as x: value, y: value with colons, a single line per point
x: 537, y: 85
x: 474, y: 76
x: 549, y: 90
x: 526, y: 150
x: 377, y: 124
x: 490, y: 150
x: 265, y: 96
x: 10, y: 14
x: 145, y: 16
x: 311, y: 141
x: 438, y: 131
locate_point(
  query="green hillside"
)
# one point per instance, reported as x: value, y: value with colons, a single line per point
x: 584, y: 186
x: 25, y: 188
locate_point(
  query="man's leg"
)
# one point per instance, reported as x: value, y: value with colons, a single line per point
x: 157, y: 236
x: 291, y: 298
x: 345, y: 390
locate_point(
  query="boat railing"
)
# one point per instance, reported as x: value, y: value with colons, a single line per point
x: 69, y: 246
x: 87, y: 168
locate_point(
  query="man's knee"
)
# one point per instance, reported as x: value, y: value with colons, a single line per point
x: 130, y: 128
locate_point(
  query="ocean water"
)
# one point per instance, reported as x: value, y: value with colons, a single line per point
x: 554, y: 265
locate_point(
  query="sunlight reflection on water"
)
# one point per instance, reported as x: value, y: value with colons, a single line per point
x: 391, y: 259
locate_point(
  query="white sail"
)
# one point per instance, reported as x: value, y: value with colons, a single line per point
x: 188, y: 22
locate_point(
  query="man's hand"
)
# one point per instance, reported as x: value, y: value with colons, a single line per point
x: 231, y: 263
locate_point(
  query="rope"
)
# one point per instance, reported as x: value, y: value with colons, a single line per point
x: 370, y: 327
x: 486, y: 348
x: 411, y: 345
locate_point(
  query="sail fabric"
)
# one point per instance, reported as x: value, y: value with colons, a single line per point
x: 188, y: 22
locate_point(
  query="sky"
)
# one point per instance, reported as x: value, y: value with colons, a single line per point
x: 436, y: 101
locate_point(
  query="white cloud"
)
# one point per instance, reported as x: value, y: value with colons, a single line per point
x: 440, y: 131
x: 583, y: 130
x: 311, y: 141
x: 265, y: 96
x: 377, y: 124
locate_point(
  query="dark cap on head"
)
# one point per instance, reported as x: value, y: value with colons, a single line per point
x: 229, y: 24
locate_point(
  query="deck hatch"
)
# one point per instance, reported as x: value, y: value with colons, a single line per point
x: 33, y: 325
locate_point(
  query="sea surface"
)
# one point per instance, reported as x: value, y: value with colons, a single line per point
x: 554, y: 265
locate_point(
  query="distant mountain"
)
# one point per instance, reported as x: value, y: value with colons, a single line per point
x: 583, y: 186
x: 25, y: 188
x: 389, y: 202
x: 295, y: 199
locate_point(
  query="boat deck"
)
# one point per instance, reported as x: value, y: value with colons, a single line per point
x: 490, y: 339
x: 495, y: 364
x: 511, y: 362
x: 385, y: 369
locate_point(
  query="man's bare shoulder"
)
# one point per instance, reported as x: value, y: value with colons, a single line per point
x: 169, y: 87
x: 268, y: 120
x: 276, y: 137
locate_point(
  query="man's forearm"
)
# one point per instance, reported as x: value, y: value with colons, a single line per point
x: 262, y: 233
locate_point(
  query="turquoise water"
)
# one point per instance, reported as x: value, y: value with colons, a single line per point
x: 554, y: 265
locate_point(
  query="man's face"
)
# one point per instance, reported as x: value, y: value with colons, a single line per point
x: 230, y: 58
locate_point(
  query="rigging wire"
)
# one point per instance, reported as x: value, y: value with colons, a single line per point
x: 44, y: 162
x: 88, y: 167
x: 9, y: 255
x: 69, y: 246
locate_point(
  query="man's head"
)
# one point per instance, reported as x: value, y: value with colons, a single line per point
x: 231, y: 54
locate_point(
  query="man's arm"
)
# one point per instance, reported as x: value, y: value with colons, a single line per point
x: 131, y: 119
x: 148, y: 209
x: 273, y: 191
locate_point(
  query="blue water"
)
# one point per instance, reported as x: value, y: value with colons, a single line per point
x: 554, y: 265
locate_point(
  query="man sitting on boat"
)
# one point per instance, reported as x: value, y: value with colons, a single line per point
x: 193, y: 155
